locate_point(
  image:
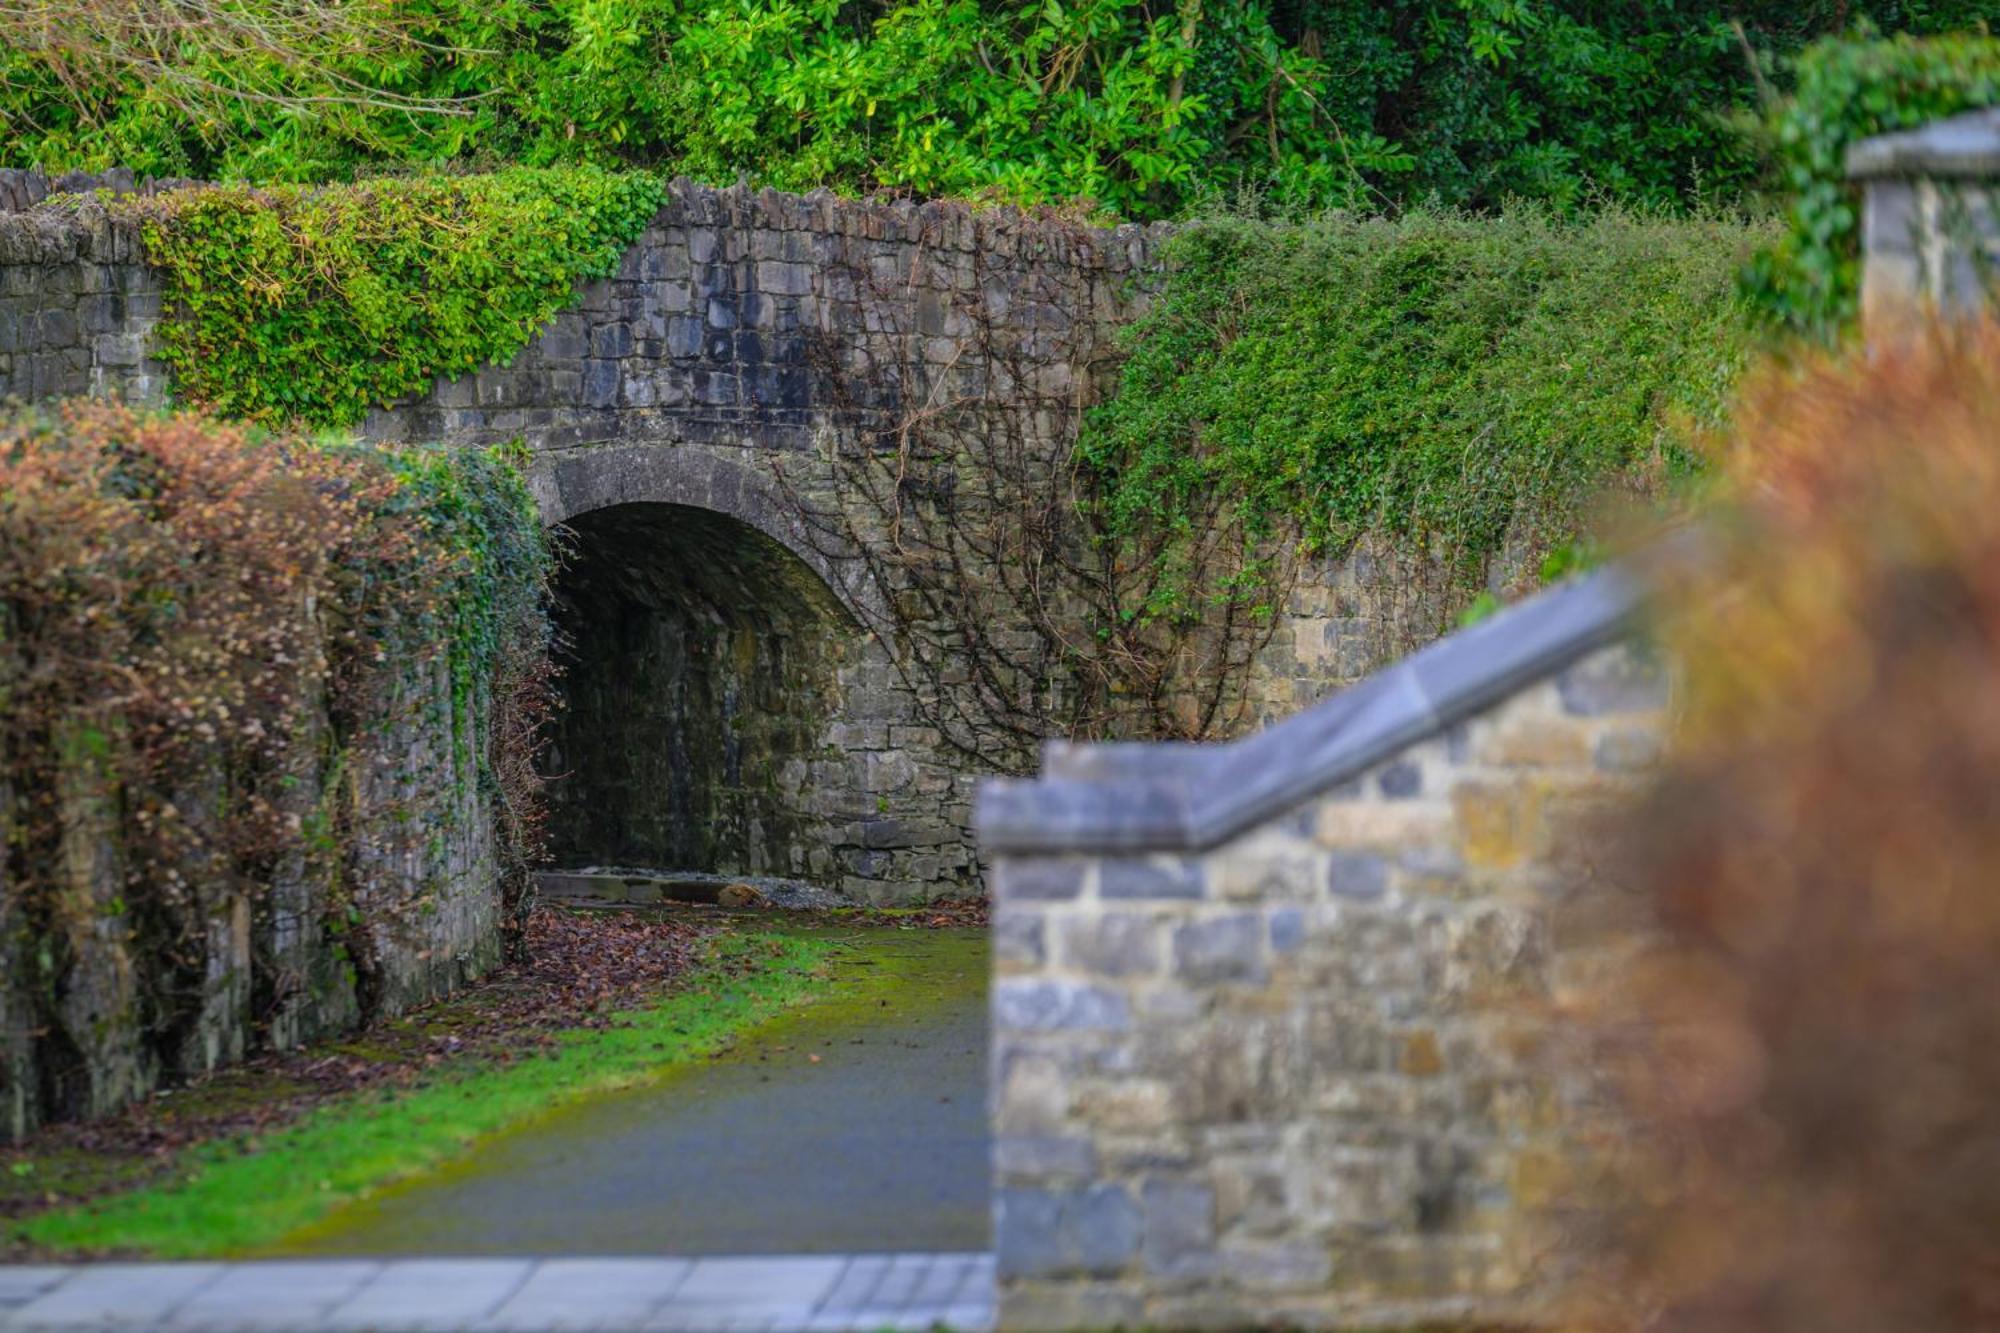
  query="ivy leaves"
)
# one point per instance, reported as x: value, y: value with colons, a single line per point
x: 314, y: 305
x: 1465, y: 382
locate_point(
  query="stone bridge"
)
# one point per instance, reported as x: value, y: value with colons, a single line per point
x: 738, y: 699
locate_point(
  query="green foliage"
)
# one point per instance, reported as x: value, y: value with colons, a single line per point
x: 314, y: 305
x: 1467, y: 382
x: 225, y: 1200
x: 1141, y: 105
x: 1810, y: 282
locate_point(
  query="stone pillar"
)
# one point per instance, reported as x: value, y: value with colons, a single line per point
x: 1930, y: 229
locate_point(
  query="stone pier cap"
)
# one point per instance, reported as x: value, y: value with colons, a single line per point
x: 1132, y: 797
x: 1965, y: 147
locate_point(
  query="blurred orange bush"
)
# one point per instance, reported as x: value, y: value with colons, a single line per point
x: 1808, y: 1058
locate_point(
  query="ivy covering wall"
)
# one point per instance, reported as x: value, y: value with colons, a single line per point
x: 295, y: 303
x: 1460, y: 383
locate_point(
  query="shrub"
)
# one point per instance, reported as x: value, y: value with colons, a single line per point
x: 205, y: 637
x: 1806, y: 1056
x: 300, y: 304
x: 1457, y: 382
x: 1810, y: 282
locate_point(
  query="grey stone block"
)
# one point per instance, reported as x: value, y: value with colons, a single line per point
x: 1624, y: 681
x: 1038, y: 879
x: 1179, y: 1229
x: 1048, y: 1233
x: 1032, y: 1005
x: 1288, y: 930
x: 1174, y: 879
x: 1221, y: 949
x: 1115, y: 945
x: 1359, y: 875
x: 1044, y: 1155
x: 1018, y: 938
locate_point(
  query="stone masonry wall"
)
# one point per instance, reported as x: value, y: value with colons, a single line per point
x: 748, y: 335
x: 420, y: 861
x: 1294, y: 1078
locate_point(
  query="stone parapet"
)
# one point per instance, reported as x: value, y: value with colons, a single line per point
x: 1268, y: 1017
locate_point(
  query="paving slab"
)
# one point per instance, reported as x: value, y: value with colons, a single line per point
x: 273, y: 1295
x: 592, y: 1293
x: 107, y: 1294
x: 612, y: 1294
x: 21, y: 1283
x: 425, y: 1294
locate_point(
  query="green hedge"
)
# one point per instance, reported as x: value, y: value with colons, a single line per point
x: 1453, y: 378
x: 1810, y: 282
x: 315, y: 304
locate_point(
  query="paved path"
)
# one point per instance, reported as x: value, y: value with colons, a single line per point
x: 799, y: 1292
x: 851, y: 1126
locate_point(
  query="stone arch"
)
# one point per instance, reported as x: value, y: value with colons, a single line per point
x: 568, y: 486
x: 702, y: 660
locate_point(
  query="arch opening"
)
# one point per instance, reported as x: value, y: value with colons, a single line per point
x: 701, y: 660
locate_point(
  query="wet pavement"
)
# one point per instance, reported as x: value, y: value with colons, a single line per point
x: 852, y: 1126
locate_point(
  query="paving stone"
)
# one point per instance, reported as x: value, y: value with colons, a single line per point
x: 425, y: 1294
x: 109, y: 1295
x: 281, y: 1293
x: 21, y: 1283
x: 592, y: 1293
x: 749, y: 1289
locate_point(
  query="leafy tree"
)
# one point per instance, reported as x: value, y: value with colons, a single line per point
x: 1140, y: 105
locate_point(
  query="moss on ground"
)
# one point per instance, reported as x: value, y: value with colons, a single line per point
x: 242, y: 1193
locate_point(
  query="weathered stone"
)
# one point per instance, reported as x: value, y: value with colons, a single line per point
x: 1120, y: 945
x: 1043, y: 1155
x: 1359, y: 875
x: 1039, y: 879
x: 1018, y: 938
x: 1179, y: 1229
x: 1044, y: 1006
x: 1150, y: 879
x: 1616, y: 681
x: 1051, y: 1232
x: 1221, y: 949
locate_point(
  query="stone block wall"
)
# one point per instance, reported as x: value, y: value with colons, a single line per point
x: 1279, y: 1059
x: 419, y: 858
x: 748, y: 338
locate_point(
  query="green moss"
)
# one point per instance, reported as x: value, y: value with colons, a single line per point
x: 244, y: 1194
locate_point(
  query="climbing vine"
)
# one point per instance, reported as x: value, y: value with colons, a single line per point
x: 243, y: 673
x: 1462, y: 386
x: 297, y: 304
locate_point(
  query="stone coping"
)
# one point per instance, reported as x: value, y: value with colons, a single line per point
x: 1183, y: 797
x: 1962, y: 146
